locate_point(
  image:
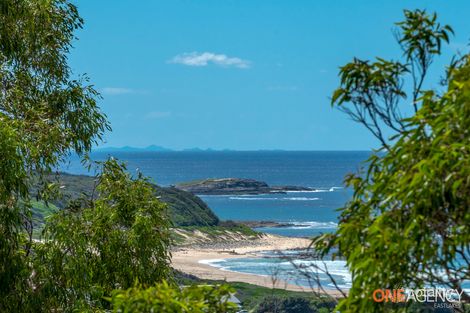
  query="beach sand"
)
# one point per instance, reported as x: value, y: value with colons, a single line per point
x: 187, y: 260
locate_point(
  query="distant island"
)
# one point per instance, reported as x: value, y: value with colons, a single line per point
x: 155, y: 148
x: 151, y: 148
x: 234, y: 186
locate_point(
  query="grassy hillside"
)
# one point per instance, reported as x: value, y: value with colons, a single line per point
x: 185, y: 209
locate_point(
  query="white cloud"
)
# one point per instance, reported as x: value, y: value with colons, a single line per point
x: 203, y: 59
x: 116, y: 91
x: 157, y: 114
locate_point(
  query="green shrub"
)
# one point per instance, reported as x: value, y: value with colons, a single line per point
x: 164, y: 298
x: 285, y: 305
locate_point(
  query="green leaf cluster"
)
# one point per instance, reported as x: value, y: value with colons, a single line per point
x: 45, y: 111
x: 166, y: 298
x: 122, y: 236
x: 407, y: 224
x: 98, y: 244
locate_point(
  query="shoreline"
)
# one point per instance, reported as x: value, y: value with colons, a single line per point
x: 194, y: 261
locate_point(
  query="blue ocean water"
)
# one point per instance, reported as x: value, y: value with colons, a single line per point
x: 308, y: 213
x: 296, y: 268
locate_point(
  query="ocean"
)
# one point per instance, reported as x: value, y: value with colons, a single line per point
x: 291, y: 267
x: 305, y: 213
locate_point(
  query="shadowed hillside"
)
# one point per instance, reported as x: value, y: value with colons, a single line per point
x: 185, y: 209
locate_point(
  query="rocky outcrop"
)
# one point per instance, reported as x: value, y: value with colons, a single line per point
x: 234, y: 186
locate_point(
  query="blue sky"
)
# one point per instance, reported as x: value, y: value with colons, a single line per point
x: 238, y: 74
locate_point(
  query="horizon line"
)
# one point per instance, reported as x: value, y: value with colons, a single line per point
x: 197, y: 149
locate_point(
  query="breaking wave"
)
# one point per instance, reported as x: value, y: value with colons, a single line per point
x: 311, y: 225
x: 290, y: 270
x: 274, y: 199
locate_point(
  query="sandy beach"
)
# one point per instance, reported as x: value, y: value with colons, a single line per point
x: 188, y: 260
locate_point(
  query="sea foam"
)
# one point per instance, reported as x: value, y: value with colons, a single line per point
x: 311, y: 225
x: 248, y: 198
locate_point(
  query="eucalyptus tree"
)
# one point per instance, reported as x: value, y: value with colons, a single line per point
x: 94, y: 246
x: 165, y: 298
x: 45, y: 112
x: 408, y: 223
x: 97, y: 246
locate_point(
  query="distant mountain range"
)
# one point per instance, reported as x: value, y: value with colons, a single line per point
x: 155, y: 148
x: 131, y: 149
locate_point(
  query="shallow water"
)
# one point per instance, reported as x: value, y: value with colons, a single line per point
x: 289, y: 266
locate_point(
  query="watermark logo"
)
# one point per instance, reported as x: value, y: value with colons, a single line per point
x: 441, y: 297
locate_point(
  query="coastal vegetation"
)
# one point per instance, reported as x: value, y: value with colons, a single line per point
x: 71, y: 243
x: 184, y: 208
x: 407, y: 224
x: 263, y: 299
x: 254, y: 298
x: 192, y: 221
x: 88, y: 249
x: 105, y: 252
x: 212, y: 235
x: 165, y: 298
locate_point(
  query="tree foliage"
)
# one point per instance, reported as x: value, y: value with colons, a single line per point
x: 96, y: 245
x: 286, y: 305
x: 407, y: 224
x: 165, y: 298
x: 121, y: 237
x: 372, y: 93
x: 44, y: 113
